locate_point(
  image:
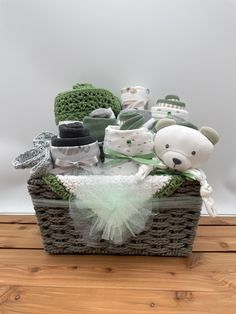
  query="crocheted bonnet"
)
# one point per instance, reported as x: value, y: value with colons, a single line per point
x: 81, y: 100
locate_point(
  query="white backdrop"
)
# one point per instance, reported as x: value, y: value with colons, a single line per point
x: 184, y: 47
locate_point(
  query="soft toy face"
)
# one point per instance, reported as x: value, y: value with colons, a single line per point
x: 182, y: 148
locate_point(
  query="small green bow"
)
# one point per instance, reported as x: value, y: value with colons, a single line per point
x: 118, y: 158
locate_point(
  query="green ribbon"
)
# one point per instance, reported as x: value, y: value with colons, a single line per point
x: 118, y: 158
x: 171, y: 172
x: 145, y: 159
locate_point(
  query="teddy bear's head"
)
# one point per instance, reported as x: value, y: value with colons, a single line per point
x: 181, y: 147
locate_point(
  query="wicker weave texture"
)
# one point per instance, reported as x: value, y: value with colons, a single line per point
x: 172, y: 231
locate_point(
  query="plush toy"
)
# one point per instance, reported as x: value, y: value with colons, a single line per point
x: 184, y: 149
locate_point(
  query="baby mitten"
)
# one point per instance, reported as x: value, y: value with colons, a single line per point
x: 75, y: 151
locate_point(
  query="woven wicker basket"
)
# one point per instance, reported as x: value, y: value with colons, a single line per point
x: 172, y: 231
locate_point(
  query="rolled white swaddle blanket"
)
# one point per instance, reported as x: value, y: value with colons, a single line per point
x: 135, y: 97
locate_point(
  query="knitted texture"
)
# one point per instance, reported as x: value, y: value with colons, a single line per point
x: 64, y: 187
x: 38, y: 158
x: 171, y: 187
x: 74, y: 184
x: 171, y: 233
x: 83, y: 99
x: 56, y: 186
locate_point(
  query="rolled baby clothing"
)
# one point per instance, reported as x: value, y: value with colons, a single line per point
x: 72, y: 130
x: 135, y: 97
x: 76, y: 154
x: 102, y: 113
x: 126, y: 149
x: 98, y: 120
x: 130, y: 120
x: 72, y: 134
x: 76, y: 159
x: 145, y: 113
x: 74, y: 141
x: 170, y: 105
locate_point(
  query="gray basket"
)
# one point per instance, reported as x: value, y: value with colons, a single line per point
x: 171, y: 233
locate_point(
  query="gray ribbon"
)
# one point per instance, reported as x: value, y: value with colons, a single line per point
x: 84, y: 164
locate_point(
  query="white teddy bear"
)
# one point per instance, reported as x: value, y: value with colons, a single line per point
x: 183, y: 148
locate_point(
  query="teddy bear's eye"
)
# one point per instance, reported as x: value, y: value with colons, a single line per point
x: 193, y: 152
x: 167, y: 145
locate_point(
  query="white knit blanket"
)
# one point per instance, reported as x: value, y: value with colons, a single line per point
x: 151, y: 183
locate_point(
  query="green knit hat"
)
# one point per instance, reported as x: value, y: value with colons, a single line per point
x: 171, y: 101
x: 81, y: 100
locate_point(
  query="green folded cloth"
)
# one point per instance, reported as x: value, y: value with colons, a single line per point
x: 81, y: 100
x: 97, y: 126
x: 130, y: 120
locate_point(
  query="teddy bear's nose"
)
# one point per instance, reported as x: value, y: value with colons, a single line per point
x: 177, y: 161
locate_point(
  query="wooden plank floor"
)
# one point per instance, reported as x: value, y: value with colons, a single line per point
x: 32, y: 281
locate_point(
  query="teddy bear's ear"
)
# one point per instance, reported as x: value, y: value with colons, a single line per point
x: 210, y: 133
x: 164, y: 123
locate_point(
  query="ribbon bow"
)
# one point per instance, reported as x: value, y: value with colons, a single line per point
x: 118, y: 158
x: 84, y: 164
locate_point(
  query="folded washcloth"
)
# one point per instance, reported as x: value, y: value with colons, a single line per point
x: 97, y: 122
x: 72, y: 130
x: 102, y: 113
x: 74, y: 141
x: 130, y: 120
x: 145, y: 113
x: 72, y: 134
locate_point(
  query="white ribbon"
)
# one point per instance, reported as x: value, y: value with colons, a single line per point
x: 63, y: 166
x: 84, y: 164
x: 205, y: 191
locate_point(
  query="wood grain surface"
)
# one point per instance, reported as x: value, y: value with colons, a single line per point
x: 33, y: 282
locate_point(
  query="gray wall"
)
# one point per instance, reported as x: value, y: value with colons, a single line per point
x: 185, y: 47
